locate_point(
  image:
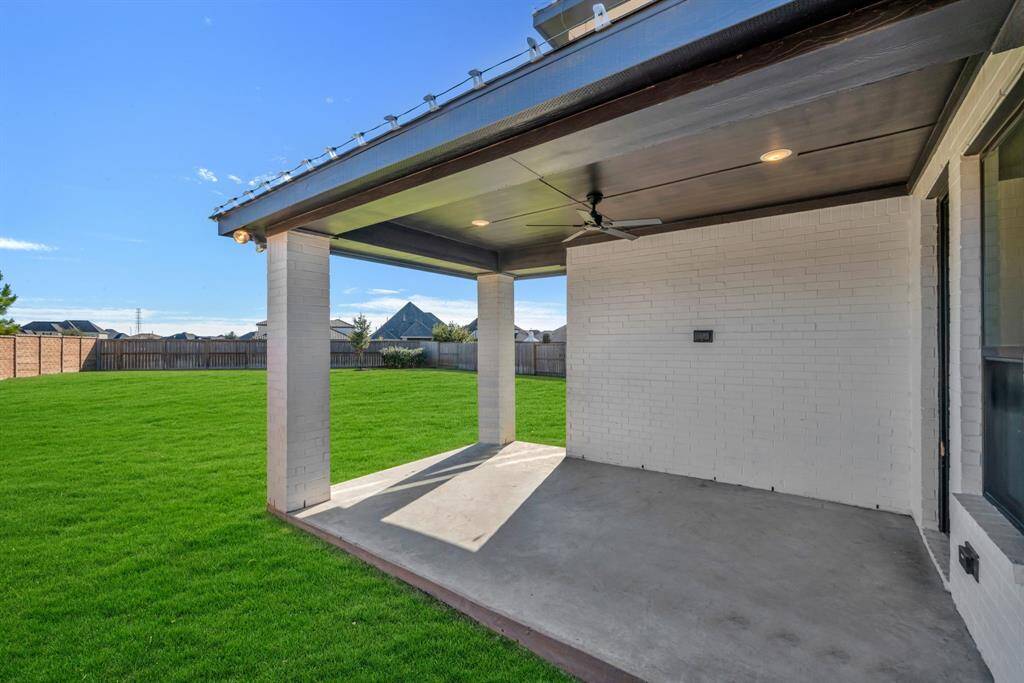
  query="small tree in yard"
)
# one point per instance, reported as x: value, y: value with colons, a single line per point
x: 360, y: 337
x: 7, y: 298
x: 451, y: 332
x: 231, y: 335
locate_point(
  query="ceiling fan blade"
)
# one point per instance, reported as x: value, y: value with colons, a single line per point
x: 585, y: 215
x: 573, y: 236
x: 554, y: 225
x: 634, y: 223
x: 618, y: 233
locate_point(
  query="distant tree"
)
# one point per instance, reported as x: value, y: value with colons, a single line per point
x: 359, y: 337
x: 546, y: 338
x: 451, y: 332
x: 231, y: 335
x: 72, y: 332
x: 7, y: 298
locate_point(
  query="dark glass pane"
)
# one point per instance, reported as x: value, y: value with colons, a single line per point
x: 1003, y: 242
x: 1004, y: 437
x: 1002, y: 269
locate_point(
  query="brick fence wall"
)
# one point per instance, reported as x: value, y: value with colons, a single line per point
x: 27, y: 355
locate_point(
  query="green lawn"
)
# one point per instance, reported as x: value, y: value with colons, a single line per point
x: 134, y: 541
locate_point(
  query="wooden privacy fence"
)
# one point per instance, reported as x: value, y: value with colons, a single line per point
x: 209, y: 354
x: 30, y: 355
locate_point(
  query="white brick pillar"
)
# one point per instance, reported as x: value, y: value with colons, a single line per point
x: 298, y: 365
x: 496, y: 359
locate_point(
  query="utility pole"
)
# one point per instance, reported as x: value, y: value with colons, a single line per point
x: 138, y: 321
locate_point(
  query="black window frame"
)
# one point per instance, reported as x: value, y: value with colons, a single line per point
x: 995, y: 354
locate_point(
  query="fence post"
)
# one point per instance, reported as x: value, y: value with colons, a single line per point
x: 534, y: 359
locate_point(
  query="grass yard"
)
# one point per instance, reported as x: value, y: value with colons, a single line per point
x: 134, y: 541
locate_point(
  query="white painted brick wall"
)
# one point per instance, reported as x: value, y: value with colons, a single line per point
x: 993, y: 606
x: 298, y: 371
x: 807, y: 386
x: 965, y: 324
x: 496, y: 359
x: 924, y: 364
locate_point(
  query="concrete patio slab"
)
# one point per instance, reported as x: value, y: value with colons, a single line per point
x: 612, y: 571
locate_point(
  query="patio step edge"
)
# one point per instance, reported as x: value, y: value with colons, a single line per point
x: 563, y: 655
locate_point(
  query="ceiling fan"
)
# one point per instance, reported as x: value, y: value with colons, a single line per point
x: 595, y: 221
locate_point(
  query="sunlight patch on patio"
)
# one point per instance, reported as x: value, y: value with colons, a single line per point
x: 469, y: 508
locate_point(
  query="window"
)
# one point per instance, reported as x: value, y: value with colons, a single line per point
x: 1003, y: 323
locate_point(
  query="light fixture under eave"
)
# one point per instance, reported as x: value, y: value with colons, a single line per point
x: 777, y: 155
x: 261, y: 247
x: 480, y: 222
x: 241, y: 236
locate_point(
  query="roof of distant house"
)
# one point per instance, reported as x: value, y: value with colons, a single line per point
x: 555, y: 335
x: 410, y: 321
x: 334, y: 322
x: 63, y: 326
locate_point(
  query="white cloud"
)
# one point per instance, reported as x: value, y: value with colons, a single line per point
x: 350, y: 290
x: 22, y: 245
x: 383, y: 292
x: 329, y: 100
x: 235, y: 179
x: 206, y: 174
x: 111, y: 237
x: 123, y: 319
x: 539, y: 315
x: 208, y: 21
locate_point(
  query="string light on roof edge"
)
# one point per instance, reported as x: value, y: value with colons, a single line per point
x: 535, y: 52
x: 600, y: 18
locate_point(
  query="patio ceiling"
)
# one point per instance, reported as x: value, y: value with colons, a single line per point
x: 857, y: 98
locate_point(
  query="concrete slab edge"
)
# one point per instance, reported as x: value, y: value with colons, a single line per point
x: 936, y: 562
x: 566, y: 657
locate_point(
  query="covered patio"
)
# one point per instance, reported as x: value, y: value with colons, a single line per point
x: 770, y: 311
x: 614, y: 572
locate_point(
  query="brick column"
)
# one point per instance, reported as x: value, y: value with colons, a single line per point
x: 496, y: 359
x: 298, y: 364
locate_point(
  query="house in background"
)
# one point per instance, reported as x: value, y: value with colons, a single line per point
x: 339, y: 329
x: 82, y: 328
x: 555, y: 335
x: 519, y: 333
x: 795, y: 379
x: 409, y: 323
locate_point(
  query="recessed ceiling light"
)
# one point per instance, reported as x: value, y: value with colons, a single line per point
x: 480, y: 222
x: 777, y: 155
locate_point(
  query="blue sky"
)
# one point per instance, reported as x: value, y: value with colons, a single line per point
x: 115, y: 119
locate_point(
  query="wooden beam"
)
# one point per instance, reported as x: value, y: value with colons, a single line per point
x: 554, y: 254
x: 416, y: 242
x: 956, y: 98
